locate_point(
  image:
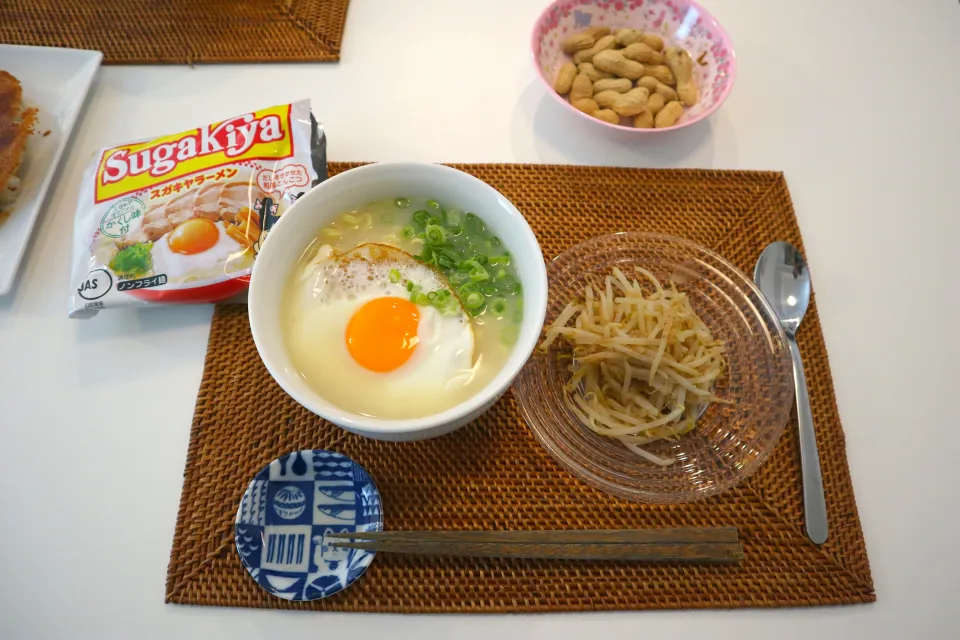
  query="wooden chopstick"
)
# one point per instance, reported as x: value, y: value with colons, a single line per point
x: 719, y: 546
x: 715, y: 535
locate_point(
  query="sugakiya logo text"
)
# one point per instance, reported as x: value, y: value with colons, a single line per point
x: 232, y: 138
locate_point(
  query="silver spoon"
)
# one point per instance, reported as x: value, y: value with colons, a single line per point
x: 782, y: 276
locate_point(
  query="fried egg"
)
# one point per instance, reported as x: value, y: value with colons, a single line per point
x: 195, y: 248
x: 357, y: 337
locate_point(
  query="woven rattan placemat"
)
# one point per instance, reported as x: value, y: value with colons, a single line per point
x: 492, y: 474
x: 181, y: 31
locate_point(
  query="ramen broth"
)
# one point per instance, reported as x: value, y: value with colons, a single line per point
x: 472, y: 260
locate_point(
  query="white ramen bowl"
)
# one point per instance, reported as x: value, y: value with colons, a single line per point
x: 294, y: 231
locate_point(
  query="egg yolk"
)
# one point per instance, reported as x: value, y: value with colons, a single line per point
x: 193, y: 236
x: 382, y: 334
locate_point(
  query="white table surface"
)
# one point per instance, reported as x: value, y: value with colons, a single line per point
x: 856, y: 101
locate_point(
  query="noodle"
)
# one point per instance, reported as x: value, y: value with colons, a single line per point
x: 642, y: 364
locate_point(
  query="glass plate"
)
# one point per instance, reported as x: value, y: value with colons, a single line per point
x: 729, y: 441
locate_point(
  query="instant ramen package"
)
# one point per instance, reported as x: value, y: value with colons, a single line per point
x: 181, y: 218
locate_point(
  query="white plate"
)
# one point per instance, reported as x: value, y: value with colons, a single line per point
x: 55, y: 81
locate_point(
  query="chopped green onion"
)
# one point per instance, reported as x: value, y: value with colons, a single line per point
x: 435, y: 234
x: 478, y: 274
x: 467, y: 288
x: 473, y: 300
x: 420, y: 218
x: 447, y: 306
x: 475, y: 312
x: 451, y: 254
x: 422, y: 299
x: 409, y: 285
x: 473, y: 260
x: 394, y: 276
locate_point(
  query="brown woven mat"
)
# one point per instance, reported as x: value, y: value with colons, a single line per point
x: 181, y: 31
x: 493, y: 475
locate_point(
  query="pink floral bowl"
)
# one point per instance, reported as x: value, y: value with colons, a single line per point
x: 680, y: 23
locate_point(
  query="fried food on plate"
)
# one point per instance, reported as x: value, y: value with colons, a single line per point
x: 16, y: 125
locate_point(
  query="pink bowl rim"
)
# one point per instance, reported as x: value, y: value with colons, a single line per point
x: 704, y: 13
